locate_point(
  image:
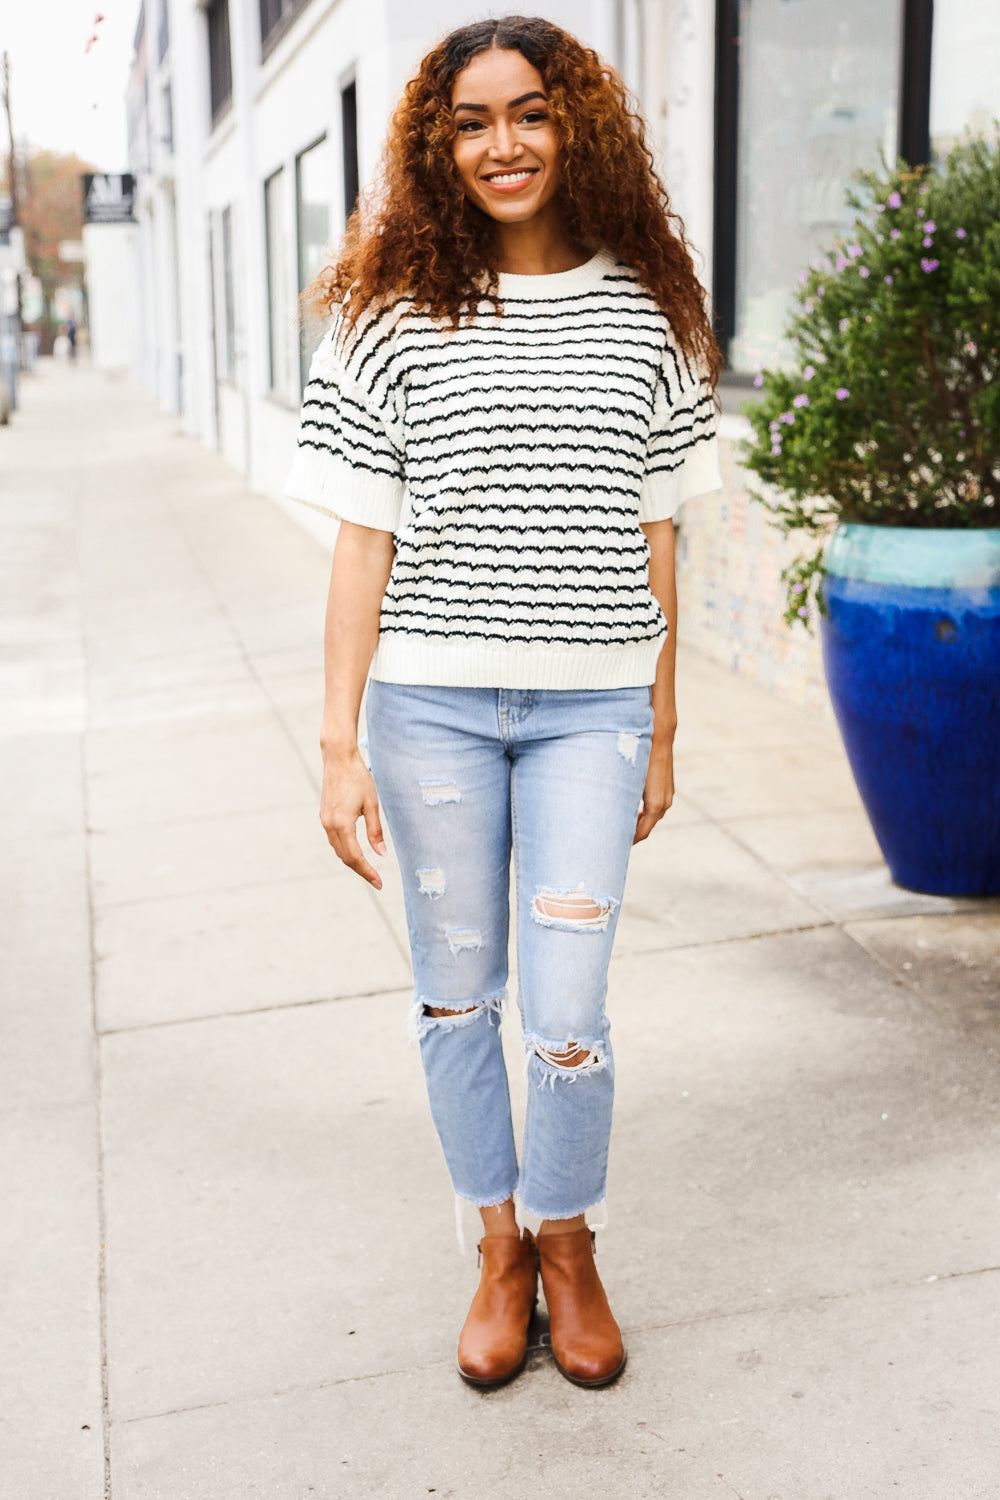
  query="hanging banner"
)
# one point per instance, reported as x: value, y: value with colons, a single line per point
x: 108, y: 197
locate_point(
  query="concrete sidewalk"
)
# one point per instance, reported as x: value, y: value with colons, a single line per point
x: 228, y: 1258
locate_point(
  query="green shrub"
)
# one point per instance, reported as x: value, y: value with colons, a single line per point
x: 889, y: 412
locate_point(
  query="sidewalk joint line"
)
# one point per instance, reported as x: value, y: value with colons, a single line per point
x: 311, y: 1387
x: 843, y: 925
x: 102, y: 1216
x: 259, y: 1010
x: 275, y: 707
x: 215, y: 890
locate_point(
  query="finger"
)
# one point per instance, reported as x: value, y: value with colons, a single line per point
x: 348, y: 851
x: 373, y: 825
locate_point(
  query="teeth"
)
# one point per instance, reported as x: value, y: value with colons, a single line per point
x: 509, y: 176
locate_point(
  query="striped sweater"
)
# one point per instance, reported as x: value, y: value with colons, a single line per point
x: 514, y: 460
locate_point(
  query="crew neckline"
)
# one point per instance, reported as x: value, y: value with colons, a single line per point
x: 513, y: 284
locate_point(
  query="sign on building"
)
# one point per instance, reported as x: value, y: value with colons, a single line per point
x: 108, y: 197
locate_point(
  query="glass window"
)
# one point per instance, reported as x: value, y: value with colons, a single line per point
x: 312, y: 192
x: 965, y: 78
x: 275, y: 18
x: 220, y: 63
x: 280, y: 316
x: 228, y: 296
x: 349, y: 142
x: 817, y: 99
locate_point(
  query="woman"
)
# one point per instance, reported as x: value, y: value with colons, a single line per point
x: 515, y: 397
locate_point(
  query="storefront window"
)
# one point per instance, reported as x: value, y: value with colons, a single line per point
x: 965, y: 77
x: 312, y: 182
x: 279, y: 302
x: 818, y: 83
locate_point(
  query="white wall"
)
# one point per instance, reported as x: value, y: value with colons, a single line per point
x: 110, y: 261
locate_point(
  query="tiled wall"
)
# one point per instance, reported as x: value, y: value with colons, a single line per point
x: 729, y: 562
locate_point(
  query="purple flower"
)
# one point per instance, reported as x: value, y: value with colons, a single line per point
x: 961, y: 432
x: 800, y: 400
x: 810, y: 305
x: 863, y: 271
x: 844, y: 324
x: 787, y: 416
x: 880, y: 238
x: 841, y: 262
x: 820, y: 290
x: 797, y: 588
x: 775, y: 450
x: 960, y: 234
x: 808, y: 372
x: 928, y: 265
x: 920, y: 213
x: 930, y: 226
x: 888, y: 281
x: 842, y: 393
x: 894, y: 200
x: 894, y: 234
x: 803, y: 276
x: 928, y: 242
x: 853, y: 251
x: 803, y: 612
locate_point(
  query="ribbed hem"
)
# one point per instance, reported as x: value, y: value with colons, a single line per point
x: 467, y: 664
x: 328, y: 484
x: 662, y: 495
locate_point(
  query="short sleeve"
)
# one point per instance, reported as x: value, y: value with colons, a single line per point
x: 349, y: 459
x: 682, y: 455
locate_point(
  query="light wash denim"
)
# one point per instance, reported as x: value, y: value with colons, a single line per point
x: 465, y: 776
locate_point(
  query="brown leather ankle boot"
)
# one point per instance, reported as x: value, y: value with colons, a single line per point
x: 494, y: 1342
x: 586, y: 1340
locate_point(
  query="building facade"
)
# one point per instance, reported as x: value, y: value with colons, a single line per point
x: 252, y: 124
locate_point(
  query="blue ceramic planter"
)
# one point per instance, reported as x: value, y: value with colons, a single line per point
x: 911, y: 647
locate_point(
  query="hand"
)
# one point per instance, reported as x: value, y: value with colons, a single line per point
x: 349, y: 794
x: 658, y: 791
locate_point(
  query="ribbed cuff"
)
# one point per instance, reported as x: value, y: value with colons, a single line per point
x: 662, y: 495
x: 329, y: 484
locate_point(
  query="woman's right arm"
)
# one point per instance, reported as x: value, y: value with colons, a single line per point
x: 361, y: 564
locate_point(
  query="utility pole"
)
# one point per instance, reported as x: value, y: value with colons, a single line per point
x: 14, y: 217
x: 11, y: 162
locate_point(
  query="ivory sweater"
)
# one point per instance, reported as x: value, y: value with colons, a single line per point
x: 514, y: 460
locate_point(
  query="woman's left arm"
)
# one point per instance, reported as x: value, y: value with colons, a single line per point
x: 658, y: 792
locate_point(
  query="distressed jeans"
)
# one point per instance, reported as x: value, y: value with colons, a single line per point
x: 466, y: 777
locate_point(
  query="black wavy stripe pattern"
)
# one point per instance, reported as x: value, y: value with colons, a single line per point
x: 523, y: 441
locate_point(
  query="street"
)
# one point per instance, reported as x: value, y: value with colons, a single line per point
x: 228, y: 1250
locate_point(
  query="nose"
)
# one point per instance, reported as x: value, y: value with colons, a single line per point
x: 505, y: 147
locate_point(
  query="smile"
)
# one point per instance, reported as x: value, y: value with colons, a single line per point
x: 508, y: 181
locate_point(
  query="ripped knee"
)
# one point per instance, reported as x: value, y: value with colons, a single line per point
x: 428, y: 1015
x: 569, y: 1061
x: 572, y: 911
x: 570, y: 1056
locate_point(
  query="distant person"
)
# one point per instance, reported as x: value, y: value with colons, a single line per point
x: 521, y: 349
x: 71, y: 335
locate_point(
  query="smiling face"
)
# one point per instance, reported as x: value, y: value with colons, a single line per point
x: 506, y: 146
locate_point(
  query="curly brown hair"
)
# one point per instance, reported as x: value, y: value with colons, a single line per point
x: 418, y: 236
